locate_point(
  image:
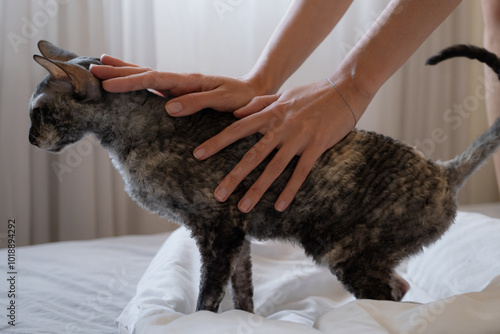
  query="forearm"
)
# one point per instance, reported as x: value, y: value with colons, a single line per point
x: 393, y: 38
x: 491, y: 15
x: 303, y: 28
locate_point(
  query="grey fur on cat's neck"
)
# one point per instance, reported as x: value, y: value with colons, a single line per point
x: 127, y: 121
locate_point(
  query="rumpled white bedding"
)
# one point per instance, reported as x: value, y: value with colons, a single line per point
x: 83, y: 286
x: 76, y: 286
x: 455, y: 288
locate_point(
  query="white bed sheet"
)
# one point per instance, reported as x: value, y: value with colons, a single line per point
x: 455, y: 289
x: 76, y: 286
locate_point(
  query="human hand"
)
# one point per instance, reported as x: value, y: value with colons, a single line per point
x: 192, y: 92
x: 303, y: 121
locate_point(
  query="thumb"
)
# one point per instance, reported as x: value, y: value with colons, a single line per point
x: 190, y: 103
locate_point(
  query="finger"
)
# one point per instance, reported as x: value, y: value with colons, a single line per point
x: 183, y: 83
x: 234, y: 132
x: 144, y: 79
x: 112, y: 61
x: 209, y: 97
x: 248, y: 163
x: 272, y: 171
x: 191, y: 103
x: 257, y: 104
x: 106, y: 72
x: 299, y: 175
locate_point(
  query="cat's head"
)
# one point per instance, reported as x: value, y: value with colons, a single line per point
x: 57, y: 107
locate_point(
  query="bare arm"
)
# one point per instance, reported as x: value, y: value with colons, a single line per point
x: 491, y: 14
x: 303, y: 28
x: 394, y: 37
x: 310, y: 119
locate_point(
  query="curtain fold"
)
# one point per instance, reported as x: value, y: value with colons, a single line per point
x: 78, y: 194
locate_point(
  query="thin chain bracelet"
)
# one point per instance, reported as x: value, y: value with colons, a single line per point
x: 343, y: 98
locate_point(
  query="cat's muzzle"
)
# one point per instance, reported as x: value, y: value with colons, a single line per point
x: 43, y: 144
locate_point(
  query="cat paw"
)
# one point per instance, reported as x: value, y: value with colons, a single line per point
x: 399, y: 287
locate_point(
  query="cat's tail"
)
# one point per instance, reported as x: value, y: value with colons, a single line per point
x: 469, y: 51
x: 464, y: 165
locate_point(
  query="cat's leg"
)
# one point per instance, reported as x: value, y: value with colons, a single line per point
x: 370, y: 280
x: 219, y: 253
x: 241, y: 280
x: 399, y: 286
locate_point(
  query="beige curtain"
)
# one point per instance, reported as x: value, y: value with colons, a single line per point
x: 78, y: 194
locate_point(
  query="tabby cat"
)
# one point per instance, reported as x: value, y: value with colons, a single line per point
x: 370, y: 201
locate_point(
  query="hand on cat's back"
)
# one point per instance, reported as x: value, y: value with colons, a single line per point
x: 298, y: 121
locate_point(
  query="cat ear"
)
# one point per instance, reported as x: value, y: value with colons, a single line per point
x: 85, y: 84
x: 55, y: 71
x: 51, y: 51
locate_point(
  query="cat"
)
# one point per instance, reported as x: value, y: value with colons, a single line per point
x: 369, y: 202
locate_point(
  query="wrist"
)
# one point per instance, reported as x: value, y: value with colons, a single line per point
x: 361, y: 76
x: 262, y: 82
x: 345, y: 100
x: 356, y: 95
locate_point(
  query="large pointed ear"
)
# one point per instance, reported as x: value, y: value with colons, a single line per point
x: 87, y: 87
x: 55, y: 71
x: 51, y: 51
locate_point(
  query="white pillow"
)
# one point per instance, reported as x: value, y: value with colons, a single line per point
x: 288, y: 286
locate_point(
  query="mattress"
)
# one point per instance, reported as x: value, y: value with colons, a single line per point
x: 149, y: 284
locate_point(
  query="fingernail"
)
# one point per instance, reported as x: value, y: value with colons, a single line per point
x: 281, y: 206
x: 173, y: 108
x: 246, y: 204
x: 221, y: 194
x: 199, y: 153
